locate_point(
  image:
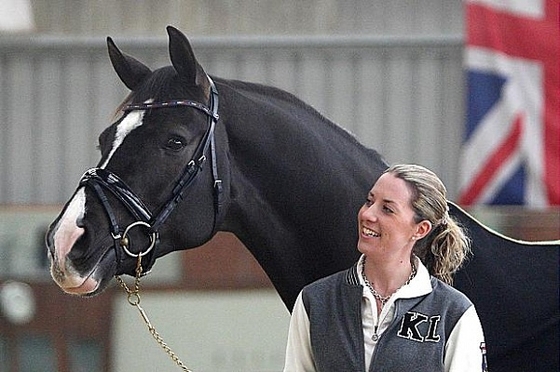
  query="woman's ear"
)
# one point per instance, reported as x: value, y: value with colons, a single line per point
x: 423, y: 228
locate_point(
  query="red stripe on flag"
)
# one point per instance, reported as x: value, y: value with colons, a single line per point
x: 491, y: 167
x: 552, y: 111
x: 552, y: 106
x: 536, y: 39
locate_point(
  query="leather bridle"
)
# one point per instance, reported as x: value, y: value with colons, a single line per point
x: 100, y: 179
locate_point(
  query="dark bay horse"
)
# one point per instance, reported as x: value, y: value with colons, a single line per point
x: 191, y: 155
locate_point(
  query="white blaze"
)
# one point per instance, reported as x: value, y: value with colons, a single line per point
x: 68, y: 231
x: 132, y: 121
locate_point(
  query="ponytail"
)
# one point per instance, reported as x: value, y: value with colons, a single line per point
x: 444, y: 250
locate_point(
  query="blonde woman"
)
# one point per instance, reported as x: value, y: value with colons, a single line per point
x: 395, y: 309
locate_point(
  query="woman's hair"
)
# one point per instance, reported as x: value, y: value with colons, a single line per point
x: 446, y: 246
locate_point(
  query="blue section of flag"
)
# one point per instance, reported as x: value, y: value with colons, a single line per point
x: 485, y: 89
x: 513, y: 191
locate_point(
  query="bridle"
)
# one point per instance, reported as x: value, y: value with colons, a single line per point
x: 100, y: 179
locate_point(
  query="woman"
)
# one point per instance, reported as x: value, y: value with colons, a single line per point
x: 395, y: 309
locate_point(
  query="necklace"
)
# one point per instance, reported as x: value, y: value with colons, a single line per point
x: 377, y: 295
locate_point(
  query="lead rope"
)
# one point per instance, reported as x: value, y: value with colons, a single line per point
x: 134, y: 300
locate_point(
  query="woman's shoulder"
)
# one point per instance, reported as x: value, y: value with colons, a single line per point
x: 344, y: 277
x: 333, y: 294
x: 449, y: 294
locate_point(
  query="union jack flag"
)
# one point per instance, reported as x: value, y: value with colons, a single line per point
x: 511, y: 153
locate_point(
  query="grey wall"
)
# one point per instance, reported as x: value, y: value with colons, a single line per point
x: 390, y: 72
x: 253, y: 17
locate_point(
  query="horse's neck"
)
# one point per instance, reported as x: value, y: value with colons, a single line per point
x: 296, y: 184
x: 292, y: 163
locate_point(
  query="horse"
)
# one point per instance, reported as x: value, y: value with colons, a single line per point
x: 191, y: 154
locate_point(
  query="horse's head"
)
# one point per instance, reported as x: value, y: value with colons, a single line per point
x: 160, y: 154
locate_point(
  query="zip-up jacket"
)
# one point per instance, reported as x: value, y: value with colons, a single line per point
x: 421, y: 334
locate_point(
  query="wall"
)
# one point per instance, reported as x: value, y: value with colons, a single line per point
x: 399, y: 95
x: 253, y: 17
x: 234, y: 331
x: 389, y: 71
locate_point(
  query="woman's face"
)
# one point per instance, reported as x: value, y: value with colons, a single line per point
x: 386, y: 220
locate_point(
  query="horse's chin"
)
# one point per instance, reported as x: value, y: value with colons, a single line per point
x: 99, y: 288
x: 96, y: 281
x: 88, y: 288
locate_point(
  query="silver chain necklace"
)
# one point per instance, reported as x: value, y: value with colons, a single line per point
x: 377, y: 295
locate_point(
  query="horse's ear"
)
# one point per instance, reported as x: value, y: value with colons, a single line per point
x: 131, y: 71
x: 183, y: 59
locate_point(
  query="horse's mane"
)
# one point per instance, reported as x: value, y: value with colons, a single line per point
x: 268, y: 92
x: 159, y: 86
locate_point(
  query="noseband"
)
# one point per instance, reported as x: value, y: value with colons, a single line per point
x: 101, y: 179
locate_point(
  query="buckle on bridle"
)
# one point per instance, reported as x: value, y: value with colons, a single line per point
x: 124, y: 241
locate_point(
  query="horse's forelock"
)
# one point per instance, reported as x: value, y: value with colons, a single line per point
x: 162, y: 85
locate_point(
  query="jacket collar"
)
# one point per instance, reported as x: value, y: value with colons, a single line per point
x: 420, y: 285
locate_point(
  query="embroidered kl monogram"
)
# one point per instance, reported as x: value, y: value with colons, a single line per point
x: 410, y: 323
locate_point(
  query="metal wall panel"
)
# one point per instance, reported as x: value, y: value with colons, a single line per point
x: 402, y: 96
x: 249, y: 17
x: 55, y: 102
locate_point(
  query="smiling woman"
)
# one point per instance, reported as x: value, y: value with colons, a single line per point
x: 402, y: 299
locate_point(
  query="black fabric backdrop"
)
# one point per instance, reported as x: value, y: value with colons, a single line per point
x: 515, y: 288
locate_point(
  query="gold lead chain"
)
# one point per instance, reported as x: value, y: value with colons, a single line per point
x: 134, y: 300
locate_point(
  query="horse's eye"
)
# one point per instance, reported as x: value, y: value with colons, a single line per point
x: 175, y: 144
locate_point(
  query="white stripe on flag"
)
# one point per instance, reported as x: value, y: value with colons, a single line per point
x: 522, y: 95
